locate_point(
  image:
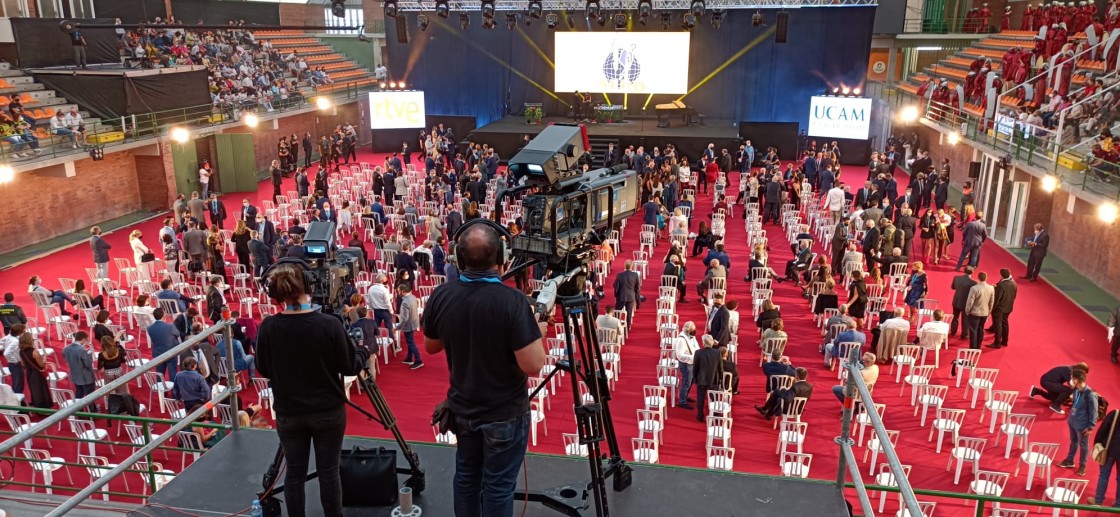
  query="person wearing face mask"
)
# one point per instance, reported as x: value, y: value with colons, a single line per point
x: 684, y: 347
x: 248, y: 212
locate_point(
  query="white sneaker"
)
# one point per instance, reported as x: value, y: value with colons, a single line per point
x: 75, y: 146
x: 37, y: 151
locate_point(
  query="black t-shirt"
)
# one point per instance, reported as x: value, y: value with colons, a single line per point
x: 481, y: 325
x: 305, y: 356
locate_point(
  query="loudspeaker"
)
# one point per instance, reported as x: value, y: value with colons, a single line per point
x: 782, y: 30
x: 402, y: 28
x: 974, y: 170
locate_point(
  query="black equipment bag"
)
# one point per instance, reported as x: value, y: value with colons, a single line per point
x: 369, y: 477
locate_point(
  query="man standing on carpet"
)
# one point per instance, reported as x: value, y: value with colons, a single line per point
x: 493, y: 344
x: 100, y: 252
x: 685, y: 348
x: 973, y: 237
x: 977, y: 308
x: 1005, y: 292
x: 1038, y: 243
x: 961, y: 286
x: 1082, y: 419
x: 719, y: 322
x: 707, y: 374
x: 627, y: 286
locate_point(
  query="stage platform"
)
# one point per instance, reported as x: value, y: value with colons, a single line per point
x: 225, y: 480
x: 506, y: 134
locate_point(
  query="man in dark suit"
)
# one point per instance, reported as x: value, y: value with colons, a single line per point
x: 454, y: 221
x: 773, y: 200
x: 863, y: 195
x: 1006, y: 290
x: 390, y: 186
x: 217, y: 211
x: 260, y: 253
x: 306, y: 149
x: 961, y: 285
x: 812, y: 167
x: 1038, y: 245
x: 908, y: 225
x: 627, y: 286
x: 719, y: 321
x: 972, y: 238
x: 870, y: 240
x: 827, y: 179
x: 907, y: 198
x: 328, y: 213
x: 406, y: 152
x: 781, y: 399
x: 215, y: 301
x: 248, y: 212
x: 775, y: 366
x: 725, y: 161
x: 707, y: 374
x: 266, y: 230
x: 610, y: 156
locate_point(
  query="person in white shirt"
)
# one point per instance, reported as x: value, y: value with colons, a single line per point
x: 733, y: 316
x: 381, y: 73
x: 58, y: 127
x: 76, y: 123
x: 380, y: 301
x: 608, y: 321
x: 898, y: 322
x: 685, y: 346
x: 834, y: 202
x: 204, y: 174
x: 937, y: 326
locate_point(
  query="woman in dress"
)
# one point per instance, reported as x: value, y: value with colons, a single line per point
x: 916, y: 290
x: 138, y: 252
x: 685, y: 173
x: 857, y: 298
x: 942, y: 237
x: 284, y: 154
x: 171, y: 252
x: 94, y: 301
x: 241, y: 238
x: 215, y: 250
x: 35, y: 370
x: 839, y: 245
x: 111, y: 361
x: 927, y: 228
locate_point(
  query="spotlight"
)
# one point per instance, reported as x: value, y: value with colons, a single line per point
x: 487, y: 8
x: 488, y: 22
x: 1050, y: 183
x: 250, y: 119
x: 180, y: 134
x: 845, y: 90
x: 570, y: 20
x: 697, y: 8
x: 909, y: 114
x: 666, y: 20
x: 836, y: 90
x: 592, y: 8
x: 856, y: 91
x: 338, y: 8
x: 552, y: 20
x: 390, y: 7
x: 717, y: 19
x: 443, y: 9
x: 535, y: 9
x: 323, y: 103
x: 422, y: 21
x: 511, y: 20
x: 7, y: 174
x: 602, y: 19
x: 464, y: 21
x: 756, y: 19
x: 620, y: 20
x: 688, y: 21
x: 954, y: 138
x: 1108, y: 212
x: 383, y: 85
x: 645, y: 10
x: 392, y: 85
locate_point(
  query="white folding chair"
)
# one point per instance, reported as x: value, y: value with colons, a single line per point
x: 947, y: 421
x: 651, y: 422
x: 42, y: 462
x: 980, y: 379
x: 720, y: 458
x: 796, y: 465
x: 966, y: 450
x: 645, y: 450
x: 886, y: 477
x: 1015, y: 426
x: 1037, y: 456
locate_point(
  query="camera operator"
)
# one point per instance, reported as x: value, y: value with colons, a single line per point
x: 305, y: 353
x: 493, y: 343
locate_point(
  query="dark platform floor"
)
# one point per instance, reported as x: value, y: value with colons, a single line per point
x: 225, y: 480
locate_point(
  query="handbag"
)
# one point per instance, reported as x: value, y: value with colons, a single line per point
x: 369, y: 477
x: 1100, y: 451
x: 148, y: 257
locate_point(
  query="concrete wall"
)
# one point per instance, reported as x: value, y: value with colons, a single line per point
x: 361, y: 52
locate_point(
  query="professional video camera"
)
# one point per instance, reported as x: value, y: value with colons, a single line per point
x: 570, y: 211
x: 331, y: 269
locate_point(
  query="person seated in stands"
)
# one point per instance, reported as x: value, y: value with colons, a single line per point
x: 936, y: 326
x: 852, y: 259
x: 19, y: 138
x: 781, y: 399
x: 715, y: 270
x: 868, y: 370
x: 94, y: 301
x: 719, y: 254
x: 775, y: 330
x: 241, y: 360
x: 165, y: 292
x: 729, y: 366
x: 799, y: 264
x: 827, y: 298
x: 777, y: 365
x: 892, y: 319
x: 768, y: 313
x: 57, y: 296
x: 848, y: 335
x: 756, y: 262
x: 190, y: 386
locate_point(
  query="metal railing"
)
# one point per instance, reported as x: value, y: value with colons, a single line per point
x: 224, y: 327
x: 1031, y: 80
x: 132, y: 128
x: 942, y: 26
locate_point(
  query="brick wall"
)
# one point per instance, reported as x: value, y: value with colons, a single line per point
x: 301, y: 14
x: 44, y: 204
x: 1079, y: 239
x: 318, y: 123
x: 155, y: 177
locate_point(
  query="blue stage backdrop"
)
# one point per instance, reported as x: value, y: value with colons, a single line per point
x: 491, y: 73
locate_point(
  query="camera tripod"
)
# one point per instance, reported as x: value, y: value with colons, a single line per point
x: 593, y: 419
x: 384, y: 416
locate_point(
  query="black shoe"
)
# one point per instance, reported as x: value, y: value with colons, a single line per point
x: 1115, y: 361
x: 699, y: 418
x: 1065, y: 464
x: 1035, y: 279
x: 1059, y: 411
x: 685, y: 406
x: 690, y: 399
x: 994, y: 345
x: 1033, y: 391
x: 1025, y: 277
x: 416, y: 366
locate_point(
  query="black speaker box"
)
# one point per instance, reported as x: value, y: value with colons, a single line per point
x: 974, y: 170
x: 402, y: 28
x: 781, y: 32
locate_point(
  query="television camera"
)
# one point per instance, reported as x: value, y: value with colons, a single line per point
x: 331, y: 269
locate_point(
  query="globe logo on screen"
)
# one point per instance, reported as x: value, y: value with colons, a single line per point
x: 621, y: 65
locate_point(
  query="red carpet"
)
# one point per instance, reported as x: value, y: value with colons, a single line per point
x: 1046, y: 330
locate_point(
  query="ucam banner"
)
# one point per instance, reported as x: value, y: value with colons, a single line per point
x: 622, y: 62
x: 396, y: 110
x: 840, y: 117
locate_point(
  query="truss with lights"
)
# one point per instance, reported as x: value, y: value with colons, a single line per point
x: 615, y: 5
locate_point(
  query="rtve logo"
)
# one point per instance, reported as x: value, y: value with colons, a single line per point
x: 397, y: 109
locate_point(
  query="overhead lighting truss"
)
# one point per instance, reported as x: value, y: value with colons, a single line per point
x: 617, y: 5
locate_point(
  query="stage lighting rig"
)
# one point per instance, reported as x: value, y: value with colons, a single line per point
x: 488, y: 23
x: 666, y: 20
x: 488, y: 9
x: 570, y: 20
x: 338, y: 8
x: 511, y: 20
x: 645, y: 10
x: 443, y: 9
x: 697, y: 8
x: 592, y: 8
x: 620, y: 20
x: 552, y: 20
x: 688, y: 21
x: 717, y: 19
x: 756, y: 19
x: 601, y: 19
x: 390, y: 7
x: 464, y: 21
x: 535, y: 9
x: 422, y: 21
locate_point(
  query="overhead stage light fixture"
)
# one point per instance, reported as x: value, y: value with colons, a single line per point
x: 535, y: 9
x: 487, y: 8
x: 697, y: 8
x: 688, y: 21
x: 620, y: 20
x: 464, y: 21
x: 717, y: 19
x: 592, y: 8
x: 756, y: 19
x: 338, y: 8
x: 488, y: 23
x: 666, y: 20
x: 645, y: 10
x: 443, y: 9
x: 511, y: 20
x: 390, y: 8
x: 422, y: 21
x: 552, y: 20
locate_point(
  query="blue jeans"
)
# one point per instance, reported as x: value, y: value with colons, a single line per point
x: 168, y: 369
x: 1110, y: 464
x: 838, y: 390
x: 973, y: 254
x: 62, y: 131
x: 413, y: 352
x: 383, y: 316
x: 1078, y: 440
x: 686, y: 383
x: 487, y: 459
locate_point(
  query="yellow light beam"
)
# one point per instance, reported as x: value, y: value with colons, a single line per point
x: 765, y: 34
x: 608, y: 99
x: 647, y: 101
x: 625, y: 100
x: 536, y: 47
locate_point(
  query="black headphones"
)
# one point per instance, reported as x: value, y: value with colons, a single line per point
x: 503, y: 236
x: 302, y: 265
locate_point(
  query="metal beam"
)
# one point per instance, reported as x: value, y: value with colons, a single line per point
x: 625, y: 5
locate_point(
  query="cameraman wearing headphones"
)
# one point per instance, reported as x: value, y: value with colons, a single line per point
x: 493, y: 344
x: 305, y: 353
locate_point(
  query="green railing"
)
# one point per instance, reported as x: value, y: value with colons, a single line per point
x: 123, y: 130
x: 942, y: 26
x: 986, y: 502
